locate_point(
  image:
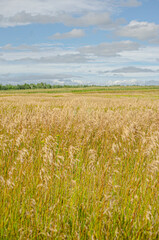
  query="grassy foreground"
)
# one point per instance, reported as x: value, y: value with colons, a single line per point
x: 79, y: 166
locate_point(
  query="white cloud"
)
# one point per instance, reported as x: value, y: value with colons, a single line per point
x: 21, y: 12
x: 52, y: 7
x: 69, y: 12
x: 130, y: 3
x: 147, y: 54
x: 90, y: 19
x: 23, y: 47
x: 129, y: 70
x: 110, y: 49
x: 12, y: 53
x: 41, y: 54
x: 75, y: 33
x: 10, y: 8
x: 24, y: 54
x: 125, y: 82
x: 101, y: 19
x: 99, y: 63
x: 139, y: 30
x: 132, y: 69
x: 57, y: 59
x: 36, y: 78
x: 122, y: 52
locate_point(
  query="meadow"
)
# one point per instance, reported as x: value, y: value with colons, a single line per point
x: 79, y: 164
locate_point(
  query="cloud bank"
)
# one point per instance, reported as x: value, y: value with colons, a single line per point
x: 75, y: 33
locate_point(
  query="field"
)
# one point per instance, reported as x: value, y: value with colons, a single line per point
x: 79, y: 164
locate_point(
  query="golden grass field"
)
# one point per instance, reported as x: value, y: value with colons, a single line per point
x: 79, y: 165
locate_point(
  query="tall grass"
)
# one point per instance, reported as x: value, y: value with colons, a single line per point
x: 79, y: 167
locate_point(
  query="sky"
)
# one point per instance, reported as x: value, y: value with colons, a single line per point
x: 94, y: 42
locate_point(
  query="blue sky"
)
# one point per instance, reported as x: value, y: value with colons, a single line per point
x: 101, y: 42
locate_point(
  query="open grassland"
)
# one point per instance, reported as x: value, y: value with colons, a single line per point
x: 87, y: 89
x: 79, y: 166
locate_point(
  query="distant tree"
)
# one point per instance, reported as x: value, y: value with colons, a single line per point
x: 37, y: 86
x: 27, y: 86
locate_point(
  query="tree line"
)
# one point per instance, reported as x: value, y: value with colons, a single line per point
x: 36, y: 86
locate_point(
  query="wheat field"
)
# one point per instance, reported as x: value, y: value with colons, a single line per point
x: 79, y: 166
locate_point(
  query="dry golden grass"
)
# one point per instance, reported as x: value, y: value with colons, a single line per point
x: 79, y: 166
